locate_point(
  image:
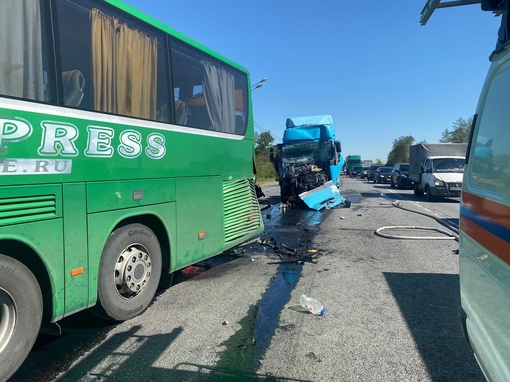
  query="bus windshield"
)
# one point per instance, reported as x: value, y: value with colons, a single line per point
x: 306, y: 152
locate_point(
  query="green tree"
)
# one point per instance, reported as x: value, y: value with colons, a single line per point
x: 265, y: 169
x: 400, y: 151
x: 378, y: 162
x: 459, y: 133
x: 263, y: 140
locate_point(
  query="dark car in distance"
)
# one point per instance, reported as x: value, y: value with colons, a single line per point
x: 364, y: 172
x: 356, y: 171
x: 400, y: 176
x: 383, y: 175
x: 371, y: 172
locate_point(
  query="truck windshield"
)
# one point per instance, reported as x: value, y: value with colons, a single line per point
x: 448, y: 165
x: 305, y: 152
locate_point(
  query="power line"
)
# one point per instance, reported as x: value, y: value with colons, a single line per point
x: 257, y: 126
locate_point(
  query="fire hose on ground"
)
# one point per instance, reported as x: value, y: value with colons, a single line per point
x: 449, y: 235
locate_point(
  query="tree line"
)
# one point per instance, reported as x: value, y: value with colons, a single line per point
x: 459, y: 133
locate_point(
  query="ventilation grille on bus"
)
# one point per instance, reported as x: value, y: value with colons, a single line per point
x: 241, y: 209
x: 27, y: 209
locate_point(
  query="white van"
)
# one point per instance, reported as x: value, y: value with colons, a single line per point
x: 484, y: 246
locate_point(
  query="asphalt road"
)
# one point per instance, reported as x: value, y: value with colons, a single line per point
x: 391, y: 306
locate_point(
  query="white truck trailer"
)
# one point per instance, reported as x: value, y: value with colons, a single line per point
x: 437, y: 169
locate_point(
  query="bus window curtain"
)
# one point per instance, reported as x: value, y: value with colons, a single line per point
x: 21, y: 50
x: 219, y: 92
x: 124, y: 68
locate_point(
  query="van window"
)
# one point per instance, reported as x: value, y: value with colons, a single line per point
x: 490, y: 152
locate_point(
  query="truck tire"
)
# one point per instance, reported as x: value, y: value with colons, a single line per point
x: 129, y: 273
x: 417, y: 190
x: 21, y: 308
x: 428, y: 195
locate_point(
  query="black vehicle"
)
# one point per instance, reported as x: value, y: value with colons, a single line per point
x: 383, y: 175
x: 356, y: 171
x: 371, y: 172
x: 400, y: 176
x: 364, y: 172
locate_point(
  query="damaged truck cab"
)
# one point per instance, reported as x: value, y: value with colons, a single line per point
x: 308, y: 162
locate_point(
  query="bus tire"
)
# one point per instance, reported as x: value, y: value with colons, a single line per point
x: 129, y: 273
x: 21, y: 309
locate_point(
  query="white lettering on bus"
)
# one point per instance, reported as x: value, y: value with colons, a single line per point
x: 130, y: 146
x: 156, y: 146
x: 13, y: 130
x: 35, y: 166
x: 100, y: 142
x: 58, y: 139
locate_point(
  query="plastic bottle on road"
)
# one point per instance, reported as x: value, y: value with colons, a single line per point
x: 313, y: 305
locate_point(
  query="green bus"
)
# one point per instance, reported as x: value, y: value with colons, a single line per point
x: 126, y: 153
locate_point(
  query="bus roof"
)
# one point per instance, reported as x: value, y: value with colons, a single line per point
x: 157, y: 24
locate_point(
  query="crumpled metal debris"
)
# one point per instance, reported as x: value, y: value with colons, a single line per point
x: 291, y: 255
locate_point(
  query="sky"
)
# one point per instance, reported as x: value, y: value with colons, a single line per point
x: 369, y: 64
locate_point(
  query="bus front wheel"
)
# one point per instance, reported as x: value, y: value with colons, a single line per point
x: 129, y: 273
x: 21, y: 308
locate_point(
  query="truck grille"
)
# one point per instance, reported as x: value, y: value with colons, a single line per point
x: 241, y: 209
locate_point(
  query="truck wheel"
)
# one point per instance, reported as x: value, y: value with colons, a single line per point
x: 428, y: 196
x: 129, y: 273
x: 417, y: 190
x: 21, y: 308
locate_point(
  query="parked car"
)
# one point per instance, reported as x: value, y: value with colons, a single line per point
x: 400, y: 176
x: 371, y: 172
x: 364, y: 172
x: 383, y: 175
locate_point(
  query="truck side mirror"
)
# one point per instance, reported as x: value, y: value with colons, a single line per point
x: 271, y: 155
x: 338, y: 147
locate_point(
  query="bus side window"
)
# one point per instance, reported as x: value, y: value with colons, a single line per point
x: 216, y: 96
x: 120, y: 65
x: 25, y: 51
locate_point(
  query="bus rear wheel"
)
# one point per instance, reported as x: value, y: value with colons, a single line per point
x: 21, y: 308
x: 129, y: 273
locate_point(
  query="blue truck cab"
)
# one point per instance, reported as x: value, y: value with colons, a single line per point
x: 308, y: 162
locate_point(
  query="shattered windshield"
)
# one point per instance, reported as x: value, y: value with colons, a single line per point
x: 307, y: 152
x: 448, y: 165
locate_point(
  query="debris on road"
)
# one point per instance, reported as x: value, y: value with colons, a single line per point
x: 296, y: 255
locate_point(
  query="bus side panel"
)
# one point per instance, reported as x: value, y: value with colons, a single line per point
x: 106, y: 196
x: 199, y: 210
x: 45, y: 239
x: 75, y: 246
x: 32, y: 216
x: 102, y: 224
